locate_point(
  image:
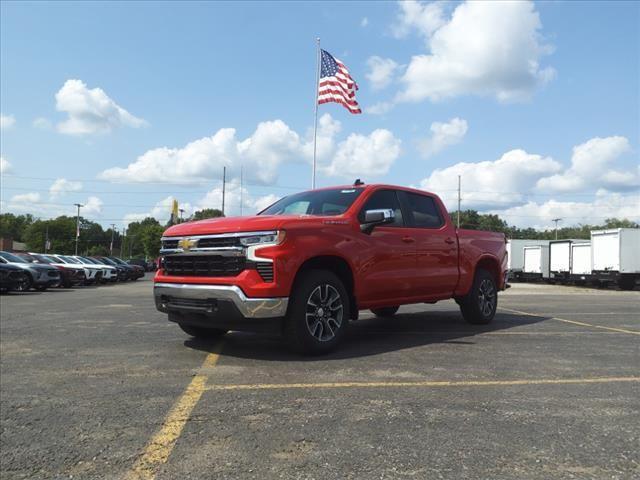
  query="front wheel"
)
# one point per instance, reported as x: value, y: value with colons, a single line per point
x: 202, y: 332
x: 24, y: 284
x: 627, y: 282
x: 385, y: 311
x: 318, y: 313
x: 480, y: 305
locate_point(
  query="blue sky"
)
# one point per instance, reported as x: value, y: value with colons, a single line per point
x: 123, y: 106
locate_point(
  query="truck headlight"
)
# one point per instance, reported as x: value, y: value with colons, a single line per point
x: 264, y: 238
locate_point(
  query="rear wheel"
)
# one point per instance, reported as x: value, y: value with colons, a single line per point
x: 479, y: 306
x: 385, y: 311
x: 202, y: 332
x: 318, y: 313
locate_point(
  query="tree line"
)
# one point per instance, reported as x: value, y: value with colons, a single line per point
x: 142, y: 238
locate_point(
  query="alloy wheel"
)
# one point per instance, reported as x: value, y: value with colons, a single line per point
x: 487, y: 297
x: 324, y: 313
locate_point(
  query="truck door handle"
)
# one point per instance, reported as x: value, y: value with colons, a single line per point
x: 408, y: 239
x: 449, y: 240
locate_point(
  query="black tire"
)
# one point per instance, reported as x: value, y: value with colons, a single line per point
x: 24, y: 285
x: 202, y: 332
x: 627, y: 282
x: 480, y: 305
x: 318, y: 313
x: 385, y: 311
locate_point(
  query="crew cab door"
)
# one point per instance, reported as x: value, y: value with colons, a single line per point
x: 389, y: 267
x: 436, y: 244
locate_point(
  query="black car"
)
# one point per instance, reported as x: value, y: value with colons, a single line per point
x: 124, y: 272
x: 12, y: 278
x: 135, y: 271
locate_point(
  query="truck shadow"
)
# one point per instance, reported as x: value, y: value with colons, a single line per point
x: 372, y: 336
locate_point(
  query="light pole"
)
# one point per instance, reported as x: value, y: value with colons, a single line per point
x: 113, y: 228
x: 181, y: 212
x: 556, y: 220
x: 79, y: 205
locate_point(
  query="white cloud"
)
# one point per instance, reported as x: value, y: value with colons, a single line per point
x: 443, y: 135
x: 62, y: 186
x: 91, y: 110
x: 381, y: 71
x: 6, y: 121
x: 425, y: 18
x: 484, y: 48
x: 263, y: 202
x: 161, y: 211
x: 5, y: 165
x: 92, y: 207
x: 591, y: 166
x: 491, y: 184
x: 42, y: 123
x: 371, y: 154
x: 272, y: 144
x: 379, y: 108
x: 364, y: 22
x: 605, y: 205
x: 31, y: 197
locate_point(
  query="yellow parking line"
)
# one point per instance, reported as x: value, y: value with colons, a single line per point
x: 575, y: 322
x: 462, y: 383
x: 161, y: 444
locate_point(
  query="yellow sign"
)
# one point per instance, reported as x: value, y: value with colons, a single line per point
x: 186, y: 244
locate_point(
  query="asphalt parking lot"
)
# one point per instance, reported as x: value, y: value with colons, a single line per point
x: 96, y: 384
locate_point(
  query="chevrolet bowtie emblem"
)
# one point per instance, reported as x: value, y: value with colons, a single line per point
x: 186, y: 243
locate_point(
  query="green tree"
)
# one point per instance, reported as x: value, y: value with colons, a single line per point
x: 206, y: 213
x: 15, y: 226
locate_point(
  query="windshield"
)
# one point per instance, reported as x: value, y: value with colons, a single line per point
x: 10, y: 257
x: 88, y: 260
x: 117, y: 260
x: 43, y: 259
x: 315, y: 202
x: 107, y: 261
x: 70, y: 260
x: 54, y: 259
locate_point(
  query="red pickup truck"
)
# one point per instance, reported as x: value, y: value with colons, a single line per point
x: 308, y: 263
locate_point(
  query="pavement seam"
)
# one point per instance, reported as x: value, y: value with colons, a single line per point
x: 160, y: 446
x: 574, y: 322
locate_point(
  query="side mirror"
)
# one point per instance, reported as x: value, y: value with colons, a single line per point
x: 380, y: 216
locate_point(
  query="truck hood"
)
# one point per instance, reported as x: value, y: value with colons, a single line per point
x: 235, y: 224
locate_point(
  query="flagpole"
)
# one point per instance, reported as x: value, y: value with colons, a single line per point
x: 315, y: 122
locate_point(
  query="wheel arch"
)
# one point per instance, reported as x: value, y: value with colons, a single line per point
x: 491, y: 265
x: 338, y: 266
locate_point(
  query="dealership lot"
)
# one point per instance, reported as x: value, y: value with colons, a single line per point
x: 97, y: 384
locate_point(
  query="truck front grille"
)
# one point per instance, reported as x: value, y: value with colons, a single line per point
x: 203, y: 265
x: 222, y: 242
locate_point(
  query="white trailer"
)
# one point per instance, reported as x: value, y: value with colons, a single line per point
x: 536, y: 262
x: 615, y: 256
x: 560, y: 259
x: 580, y: 262
x: 515, y: 255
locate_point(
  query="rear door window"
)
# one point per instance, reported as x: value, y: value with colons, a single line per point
x: 423, y: 210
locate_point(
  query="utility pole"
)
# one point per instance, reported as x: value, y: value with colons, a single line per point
x: 46, y: 239
x: 79, y: 205
x: 113, y: 229
x: 224, y: 184
x: 181, y: 212
x: 124, y: 236
x: 556, y: 220
x: 459, y: 191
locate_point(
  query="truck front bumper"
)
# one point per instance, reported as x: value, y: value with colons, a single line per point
x: 216, y: 301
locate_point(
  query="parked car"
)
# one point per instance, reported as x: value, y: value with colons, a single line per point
x: 13, y: 278
x: 92, y: 272
x: 72, y: 274
x: 141, y: 263
x: 39, y: 276
x: 68, y: 276
x: 106, y: 273
x: 124, y: 272
x: 135, y: 271
x: 308, y: 263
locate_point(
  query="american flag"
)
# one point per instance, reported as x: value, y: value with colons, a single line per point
x: 336, y: 84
